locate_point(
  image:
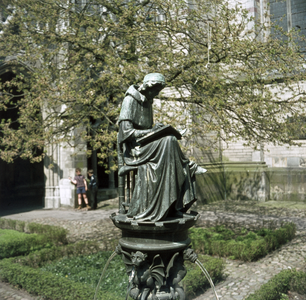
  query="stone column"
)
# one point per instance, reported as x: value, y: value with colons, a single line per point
x: 72, y: 158
x: 60, y: 163
x: 52, y: 177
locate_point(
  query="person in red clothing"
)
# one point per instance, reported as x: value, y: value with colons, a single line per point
x: 81, y: 184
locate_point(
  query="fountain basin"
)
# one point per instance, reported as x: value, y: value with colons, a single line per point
x: 171, y: 234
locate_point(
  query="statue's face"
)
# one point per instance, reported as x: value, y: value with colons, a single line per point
x: 138, y: 258
x: 153, y: 91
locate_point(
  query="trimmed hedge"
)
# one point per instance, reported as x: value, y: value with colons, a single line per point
x: 23, y: 271
x: 20, y: 243
x: 12, y: 224
x: 55, y: 234
x: 247, y: 246
x: 40, y: 258
x: 195, y: 282
x: 280, y: 284
x: 46, y: 284
x: 14, y: 243
x: 86, y: 269
x: 298, y: 283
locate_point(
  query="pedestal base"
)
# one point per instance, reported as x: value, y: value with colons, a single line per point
x: 154, y: 255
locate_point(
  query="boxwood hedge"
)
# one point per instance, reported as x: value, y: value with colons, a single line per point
x: 280, y: 284
x: 55, y: 234
x: 25, y: 272
x: 246, y: 245
x: 47, y: 284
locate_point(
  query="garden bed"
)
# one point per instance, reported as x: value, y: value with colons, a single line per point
x: 48, y: 274
x: 14, y: 243
x: 20, y: 238
x: 278, y: 287
x: 55, y: 234
x: 244, y: 245
x: 71, y: 271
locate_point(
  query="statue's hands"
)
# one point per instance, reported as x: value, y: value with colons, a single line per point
x: 158, y: 125
x: 140, y: 133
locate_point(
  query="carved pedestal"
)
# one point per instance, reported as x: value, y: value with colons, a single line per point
x: 154, y: 255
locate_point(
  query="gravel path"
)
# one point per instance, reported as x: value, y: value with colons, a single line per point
x: 242, y: 278
x: 245, y: 278
x: 7, y: 292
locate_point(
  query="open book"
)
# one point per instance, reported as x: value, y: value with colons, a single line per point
x: 159, y: 133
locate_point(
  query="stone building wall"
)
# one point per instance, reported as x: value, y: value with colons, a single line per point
x: 45, y: 184
x: 64, y: 159
x: 233, y: 181
x: 286, y: 172
x: 236, y: 151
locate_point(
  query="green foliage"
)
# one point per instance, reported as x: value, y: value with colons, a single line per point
x: 83, y: 262
x: 298, y: 283
x: 195, y: 281
x: 247, y: 246
x: 54, y: 234
x: 277, y: 287
x: 7, y: 235
x: 12, y: 224
x: 90, y: 54
x: 87, y: 269
x: 42, y: 257
x: 70, y: 276
x: 274, y: 288
x: 284, y: 297
x: 14, y: 243
x: 46, y: 284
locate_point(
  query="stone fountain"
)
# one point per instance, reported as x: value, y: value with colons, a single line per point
x: 156, y: 191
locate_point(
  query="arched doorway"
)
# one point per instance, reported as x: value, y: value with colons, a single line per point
x: 22, y: 184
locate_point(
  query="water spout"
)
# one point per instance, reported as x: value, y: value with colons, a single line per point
x: 103, y: 272
x: 131, y: 277
x: 199, y: 264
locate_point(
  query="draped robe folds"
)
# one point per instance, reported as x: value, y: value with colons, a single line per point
x: 165, y: 181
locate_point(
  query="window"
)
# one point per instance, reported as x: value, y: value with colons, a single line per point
x: 290, y: 14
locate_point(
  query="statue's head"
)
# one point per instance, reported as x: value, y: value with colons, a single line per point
x: 138, y: 258
x: 152, y: 84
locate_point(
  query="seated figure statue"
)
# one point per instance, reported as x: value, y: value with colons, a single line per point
x: 165, y: 182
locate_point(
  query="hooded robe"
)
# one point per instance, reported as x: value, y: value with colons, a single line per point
x: 165, y: 181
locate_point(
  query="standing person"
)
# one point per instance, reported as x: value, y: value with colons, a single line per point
x: 93, y: 187
x: 81, y: 184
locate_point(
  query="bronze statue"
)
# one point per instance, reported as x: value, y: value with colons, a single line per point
x: 165, y: 184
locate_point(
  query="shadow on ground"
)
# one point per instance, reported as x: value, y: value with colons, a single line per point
x: 12, y: 210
